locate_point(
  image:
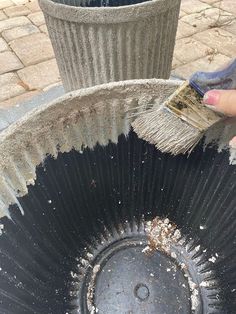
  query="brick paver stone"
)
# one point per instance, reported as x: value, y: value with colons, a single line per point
x: 219, y: 15
x: 17, y: 11
x: 202, y: 64
x: 33, y: 6
x: 206, y: 19
x: 228, y: 5
x: 18, y: 2
x: 5, y: 3
x: 18, y: 32
x: 37, y: 18
x: 33, y: 49
x: 223, y: 41
x: 175, y: 63
x: 13, y: 22
x: 194, y: 49
x: 2, y: 15
x: 44, y: 29
x: 9, y: 62
x: 40, y: 75
x: 9, y: 86
x: 193, y: 6
x: 181, y: 14
x: 231, y: 27
x: 18, y: 99
x: 3, y: 45
x: 184, y: 30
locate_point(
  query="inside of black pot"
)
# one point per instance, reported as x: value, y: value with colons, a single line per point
x: 82, y: 234
x: 99, y: 3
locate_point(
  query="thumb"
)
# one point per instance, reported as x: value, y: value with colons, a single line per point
x: 221, y: 100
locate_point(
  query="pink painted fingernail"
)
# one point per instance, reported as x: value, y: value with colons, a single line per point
x: 211, y: 98
x: 232, y: 143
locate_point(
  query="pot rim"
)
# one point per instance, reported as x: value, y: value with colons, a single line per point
x: 107, y: 15
x: 41, y: 131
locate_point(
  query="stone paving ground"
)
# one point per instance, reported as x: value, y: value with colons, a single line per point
x: 206, y: 39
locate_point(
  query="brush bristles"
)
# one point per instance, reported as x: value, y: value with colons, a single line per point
x: 167, y: 132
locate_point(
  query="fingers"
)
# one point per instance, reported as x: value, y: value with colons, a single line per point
x: 232, y: 143
x: 221, y: 100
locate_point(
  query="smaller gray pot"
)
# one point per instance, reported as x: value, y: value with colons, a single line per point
x: 102, y: 41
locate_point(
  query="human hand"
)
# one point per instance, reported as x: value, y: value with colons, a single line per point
x: 222, y: 101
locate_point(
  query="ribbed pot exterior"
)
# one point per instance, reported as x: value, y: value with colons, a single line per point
x: 103, y: 44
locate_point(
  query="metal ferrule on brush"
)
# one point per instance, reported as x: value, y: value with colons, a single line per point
x: 186, y: 104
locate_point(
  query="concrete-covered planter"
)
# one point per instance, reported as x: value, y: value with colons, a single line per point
x: 94, y: 209
x: 97, y: 42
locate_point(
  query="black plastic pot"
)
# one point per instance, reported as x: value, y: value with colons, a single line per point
x: 79, y: 247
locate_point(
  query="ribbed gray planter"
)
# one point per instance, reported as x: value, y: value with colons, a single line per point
x: 94, y: 44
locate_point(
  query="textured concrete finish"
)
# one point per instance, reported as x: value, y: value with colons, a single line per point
x: 78, y: 119
x: 95, y: 45
x: 204, y: 16
x: 14, y: 113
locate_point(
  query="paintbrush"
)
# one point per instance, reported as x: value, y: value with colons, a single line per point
x: 180, y: 123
